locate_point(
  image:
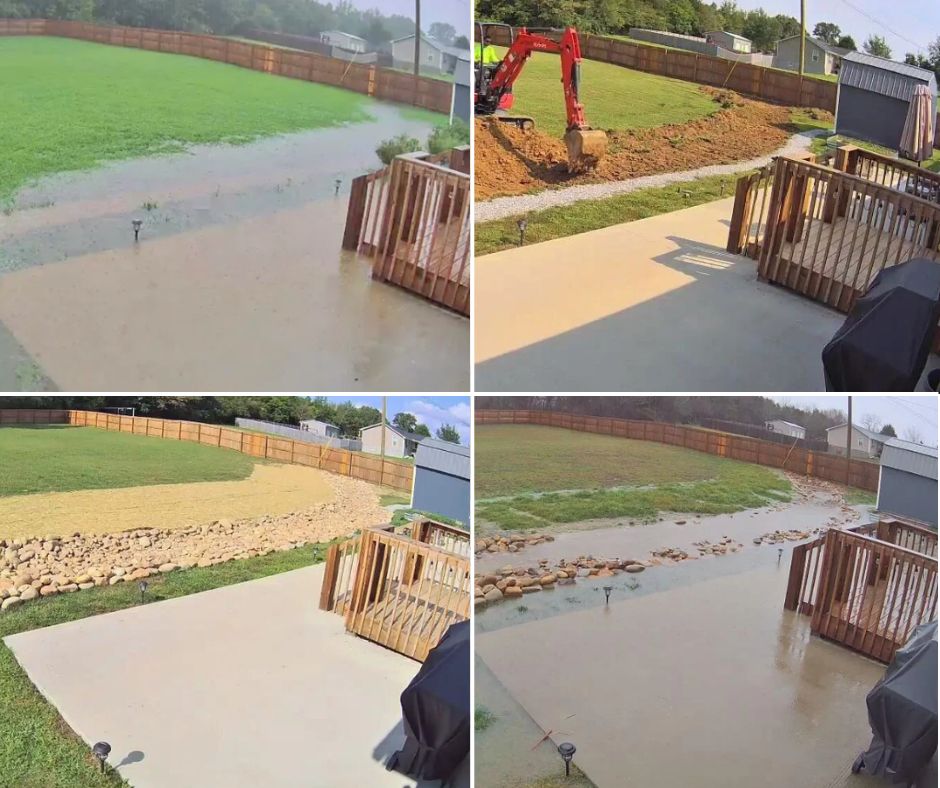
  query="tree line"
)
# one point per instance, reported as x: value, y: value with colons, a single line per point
x: 689, y: 17
x: 349, y: 417
x: 229, y: 17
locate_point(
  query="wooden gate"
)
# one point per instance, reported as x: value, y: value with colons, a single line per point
x: 397, y: 590
x: 865, y: 593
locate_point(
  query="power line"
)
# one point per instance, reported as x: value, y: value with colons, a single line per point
x: 882, y: 24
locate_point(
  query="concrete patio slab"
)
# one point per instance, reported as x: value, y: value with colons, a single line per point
x: 651, y: 305
x: 243, y: 686
x: 710, y: 684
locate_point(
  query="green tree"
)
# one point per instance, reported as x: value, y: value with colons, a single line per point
x: 828, y: 32
x: 447, y: 432
x: 422, y: 429
x: 889, y: 431
x: 405, y: 421
x: 876, y: 45
x: 847, y: 42
x: 443, y: 32
x: 462, y: 42
x: 762, y: 29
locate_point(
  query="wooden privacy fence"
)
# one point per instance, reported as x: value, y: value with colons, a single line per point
x: 400, y: 590
x: 820, y: 465
x: 770, y: 84
x: 346, y: 463
x: 825, y: 233
x: 413, y: 219
x: 862, y: 591
x: 380, y: 83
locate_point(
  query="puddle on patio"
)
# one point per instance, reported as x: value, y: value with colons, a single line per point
x: 238, y: 281
x: 704, y: 681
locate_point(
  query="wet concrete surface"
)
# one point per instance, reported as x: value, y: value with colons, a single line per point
x: 238, y: 281
x: 625, y: 541
x: 709, y: 684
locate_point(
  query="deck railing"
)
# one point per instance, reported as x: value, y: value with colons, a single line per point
x: 862, y: 592
x: 400, y: 590
x: 413, y: 219
x: 903, y: 176
x: 826, y: 233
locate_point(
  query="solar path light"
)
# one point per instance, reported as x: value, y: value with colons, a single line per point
x: 522, y: 224
x: 137, y: 223
x: 567, y: 750
x: 142, y: 585
x: 101, y: 751
x: 339, y: 182
x: 607, y: 590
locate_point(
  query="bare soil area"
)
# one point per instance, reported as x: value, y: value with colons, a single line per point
x: 510, y: 161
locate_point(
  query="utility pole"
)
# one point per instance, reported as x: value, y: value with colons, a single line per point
x: 848, y: 448
x: 803, y: 38
x: 417, y: 38
x: 382, y: 450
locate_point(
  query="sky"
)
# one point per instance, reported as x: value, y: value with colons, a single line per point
x: 432, y: 411
x: 456, y: 12
x: 907, y: 25
x: 898, y: 411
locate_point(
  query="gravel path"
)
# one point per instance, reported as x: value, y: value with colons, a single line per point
x: 516, y: 205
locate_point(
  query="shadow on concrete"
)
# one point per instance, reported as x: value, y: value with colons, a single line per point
x: 134, y: 756
x: 393, y: 741
x: 723, y: 330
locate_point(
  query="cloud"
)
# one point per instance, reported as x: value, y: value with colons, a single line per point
x: 434, y: 416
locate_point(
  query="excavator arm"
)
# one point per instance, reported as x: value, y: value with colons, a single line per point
x: 586, y: 146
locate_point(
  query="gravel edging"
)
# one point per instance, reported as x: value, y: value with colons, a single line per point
x: 501, y: 207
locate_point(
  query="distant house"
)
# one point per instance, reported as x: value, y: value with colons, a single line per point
x: 865, y: 443
x: 398, y: 443
x: 731, y: 41
x: 337, y: 38
x: 442, y: 479
x: 434, y: 56
x: 320, y: 428
x: 781, y: 427
x: 819, y: 57
x: 907, y: 483
x: 874, y: 95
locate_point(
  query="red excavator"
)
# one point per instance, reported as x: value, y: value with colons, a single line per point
x: 495, y: 80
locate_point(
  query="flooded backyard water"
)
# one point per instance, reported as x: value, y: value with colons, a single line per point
x: 238, y: 281
x: 693, y: 674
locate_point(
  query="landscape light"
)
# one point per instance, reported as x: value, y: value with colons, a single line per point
x: 567, y: 750
x: 779, y: 555
x: 102, y: 750
x: 138, y: 223
x: 522, y: 224
x: 339, y: 182
x: 607, y: 590
x: 142, y: 585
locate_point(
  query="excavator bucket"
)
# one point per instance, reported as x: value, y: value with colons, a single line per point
x: 586, y: 147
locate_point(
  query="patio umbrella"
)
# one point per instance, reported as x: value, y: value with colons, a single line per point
x: 918, y: 134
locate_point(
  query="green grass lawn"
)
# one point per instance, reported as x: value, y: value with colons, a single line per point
x: 57, y: 459
x: 71, y: 105
x: 37, y: 748
x: 647, y: 478
x: 586, y: 215
x: 613, y: 97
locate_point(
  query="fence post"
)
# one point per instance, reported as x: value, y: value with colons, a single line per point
x: 740, y: 219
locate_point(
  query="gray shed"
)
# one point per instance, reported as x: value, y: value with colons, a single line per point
x: 907, y: 484
x: 463, y: 87
x: 873, y: 97
x: 442, y: 479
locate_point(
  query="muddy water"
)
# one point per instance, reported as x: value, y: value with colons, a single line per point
x: 238, y: 281
x: 624, y: 541
x: 710, y: 684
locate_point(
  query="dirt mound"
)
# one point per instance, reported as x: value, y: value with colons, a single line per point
x: 510, y: 161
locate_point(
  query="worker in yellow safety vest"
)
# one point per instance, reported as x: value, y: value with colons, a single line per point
x: 486, y: 53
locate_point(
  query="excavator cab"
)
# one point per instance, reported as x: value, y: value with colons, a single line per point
x: 487, y: 101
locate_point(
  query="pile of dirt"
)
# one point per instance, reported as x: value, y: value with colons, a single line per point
x: 510, y: 161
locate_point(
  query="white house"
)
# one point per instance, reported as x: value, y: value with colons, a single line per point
x: 865, y: 443
x: 398, y: 443
x: 322, y: 428
x: 337, y: 38
x: 431, y: 54
x: 781, y: 427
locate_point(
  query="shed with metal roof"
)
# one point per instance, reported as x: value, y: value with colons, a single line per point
x: 442, y: 479
x: 907, y: 484
x: 873, y: 97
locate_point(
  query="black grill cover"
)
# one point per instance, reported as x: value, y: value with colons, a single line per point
x: 436, y: 710
x: 902, y: 711
x: 884, y: 343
